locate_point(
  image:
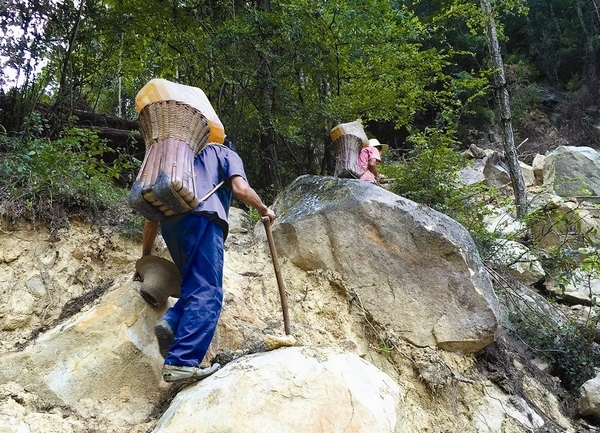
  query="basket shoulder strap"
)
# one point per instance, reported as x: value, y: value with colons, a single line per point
x: 211, y: 192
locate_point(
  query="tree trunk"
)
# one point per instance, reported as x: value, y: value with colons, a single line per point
x: 590, y: 37
x: 508, y: 140
x: 270, y: 166
x: 62, y: 107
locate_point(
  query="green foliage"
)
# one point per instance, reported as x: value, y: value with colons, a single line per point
x: 568, y: 346
x: 254, y: 215
x: 67, y: 175
x: 560, y: 265
x: 573, y: 83
x: 429, y: 176
x: 525, y: 102
x: 280, y: 74
x: 559, y: 226
x: 386, y: 347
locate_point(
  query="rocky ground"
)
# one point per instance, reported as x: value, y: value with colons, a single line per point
x: 44, y: 280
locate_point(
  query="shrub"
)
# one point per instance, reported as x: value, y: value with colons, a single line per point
x: 568, y: 346
x: 429, y: 175
x: 567, y: 343
x: 42, y: 178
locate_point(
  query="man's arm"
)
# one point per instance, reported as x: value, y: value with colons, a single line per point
x: 149, y: 236
x: 248, y: 196
x: 372, y: 166
x: 374, y: 159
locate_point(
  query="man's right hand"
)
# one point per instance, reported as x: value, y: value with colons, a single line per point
x: 271, y: 215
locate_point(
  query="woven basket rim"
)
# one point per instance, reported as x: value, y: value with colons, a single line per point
x: 163, y: 101
x: 167, y: 119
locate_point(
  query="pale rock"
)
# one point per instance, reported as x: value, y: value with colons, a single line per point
x: 470, y: 176
x: 36, y: 287
x: 565, y: 222
x: 301, y: 389
x: 541, y: 364
x: 107, y: 354
x: 523, y: 265
x: 582, y: 288
x: 496, y: 172
x: 7, y: 274
x: 588, y: 223
x: 473, y: 173
x: 21, y: 305
x: 589, y: 400
x: 49, y: 258
x: 492, y: 171
x: 501, y: 222
x: 557, y: 225
x: 13, y: 250
x: 273, y: 342
x: 239, y: 221
x: 538, y: 169
x: 12, y: 424
x: 573, y: 170
x: 541, y: 198
x: 499, y: 413
x: 517, y: 364
x: 527, y: 173
x: 536, y: 394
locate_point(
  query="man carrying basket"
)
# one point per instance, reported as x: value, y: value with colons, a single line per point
x: 195, y: 241
x: 194, y: 229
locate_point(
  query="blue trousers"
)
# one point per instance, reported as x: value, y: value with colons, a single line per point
x: 195, y: 243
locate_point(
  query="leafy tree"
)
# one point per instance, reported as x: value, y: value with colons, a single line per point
x: 23, y: 51
x: 555, y: 34
x: 280, y: 74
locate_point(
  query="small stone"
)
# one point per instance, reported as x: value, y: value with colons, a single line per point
x: 276, y: 341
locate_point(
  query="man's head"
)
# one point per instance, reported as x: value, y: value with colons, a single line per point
x: 373, y: 142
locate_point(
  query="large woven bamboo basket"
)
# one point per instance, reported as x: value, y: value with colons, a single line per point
x: 173, y: 119
x: 174, y: 134
x: 347, y: 149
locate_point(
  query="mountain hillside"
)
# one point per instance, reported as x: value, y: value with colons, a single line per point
x: 47, y: 283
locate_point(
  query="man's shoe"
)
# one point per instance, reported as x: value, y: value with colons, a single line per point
x: 165, y: 336
x: 172, y: 373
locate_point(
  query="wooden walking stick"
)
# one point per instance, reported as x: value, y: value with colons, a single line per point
x: 286, y: 318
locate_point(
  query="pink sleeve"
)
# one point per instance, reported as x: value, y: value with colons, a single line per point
x: 374, y: 153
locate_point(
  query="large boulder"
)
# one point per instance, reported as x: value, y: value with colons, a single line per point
x: 105, y: 357
x: 300, y: 389
x: 519, y: 260
x: 572, y: 171
x: 100, y: 369
x: 415, y: 271
x: 569, y: 223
